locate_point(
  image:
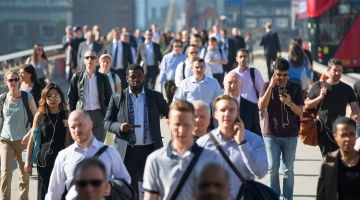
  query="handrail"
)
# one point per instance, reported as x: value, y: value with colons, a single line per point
x: 21, y: 54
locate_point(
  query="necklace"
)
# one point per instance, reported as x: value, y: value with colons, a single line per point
x: 350, y: 163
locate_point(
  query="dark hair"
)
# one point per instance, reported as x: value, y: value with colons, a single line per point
x: 212, y: 39
x: 134, y: 67
x: 29, y: 68
x: 42, y: 102
x: 281, y: 64
x: 200, y: 60
x: 196, y: 35
x: 296, y: 40
x: 191, y: 45
x: 343, y: 120
x: 242, y: 50
x: 86, y: 163
x: 296, y: 54
x: 334, y: 61
x: 175, y: 41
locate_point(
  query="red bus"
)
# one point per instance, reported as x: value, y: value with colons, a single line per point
x: 333, y: 30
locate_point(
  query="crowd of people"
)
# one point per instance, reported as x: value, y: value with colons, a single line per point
x: 214, y: 98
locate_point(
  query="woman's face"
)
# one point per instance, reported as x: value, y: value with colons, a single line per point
x: 12, y: 81
x: 39, y: 50
x: 24, y: 75
x: 53, y: 98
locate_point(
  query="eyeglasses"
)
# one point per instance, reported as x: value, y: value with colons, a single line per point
x: 54, y: 96
x: 13, y: 80
x: 193, y: 52
x: 84, y: 183
x: 90, y: 57
x: 282, y: 74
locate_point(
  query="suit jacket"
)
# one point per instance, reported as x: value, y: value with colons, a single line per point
x: 117, y: 113
x: 249, y: 114
x: 239, y: 42
x: 82, y: 49
x: 231, y: 52
x: 127, y: 58
x: 141, y: 54
x: 270, y: 41
x: 77, y: 90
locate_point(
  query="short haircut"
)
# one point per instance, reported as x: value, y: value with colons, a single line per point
x: 225, y: 97
x: 84, y: 114
x: 199, y: 171
x: 212, y: 39
x: 200, y: 60
x: 196, y: 35
x: 201, y: 104
x: 343, y: 120
x: 175, y: 41
x: 231, y: 74
x: 134, y: 67
x: 182, y: 106
x: 191, y: 45
x: 242, y: 50
x: 86, y: 163
x: 281, y: 64
x: 334, y: 61
x: 92, y: 51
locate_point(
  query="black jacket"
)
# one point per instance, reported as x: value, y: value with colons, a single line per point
x: 127, y: 58
x: 77, y: 86
x: 117, y: 113
x: 271, y: 43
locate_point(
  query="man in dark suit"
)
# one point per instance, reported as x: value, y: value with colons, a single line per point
x: 270, y: 41
x: 121, y: 53
x: 91, y: 91
x: 134, y: 116
x: 229, y: 47
x: 88, y: 44
x: 239, y: 40
x: 149, y: 56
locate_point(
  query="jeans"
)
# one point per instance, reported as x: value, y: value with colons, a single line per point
x: 286, y: 147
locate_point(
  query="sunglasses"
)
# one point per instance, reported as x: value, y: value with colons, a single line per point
x: 193, y: 52
x: 84, y: 183
x: 282, y: 75
x: 13, y: 80
x: 90, y: 57
x: 49, y: 97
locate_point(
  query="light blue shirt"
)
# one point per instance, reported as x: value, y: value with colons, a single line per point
x: 296, y: 72
x: 249, y: 158
x: 150, y: 61
x: 168, y: 66
x: 206, y: 90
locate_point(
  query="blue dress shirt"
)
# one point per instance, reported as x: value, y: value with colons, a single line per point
x: 168, y: 66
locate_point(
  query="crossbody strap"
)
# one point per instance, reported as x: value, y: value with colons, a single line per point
x: 252, y: 75
x: 226, y: 158
x: 197, y: 150
x: 100, y: 151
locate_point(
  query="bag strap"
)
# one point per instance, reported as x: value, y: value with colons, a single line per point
x: 252, y: 75
x: 25, y: 100
x: 226, y: 158
x: 197, y: 151
x: 2, y: 99
x: 183, y: 69
x: 100, y: 151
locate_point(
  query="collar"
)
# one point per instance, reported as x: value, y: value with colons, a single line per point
x: 218, y: 135
x: 116, y: 41
x: 142, y: 91
x: 171, y: 153
x: 193, y: 80
x: 240, y: 70
x: 88, y: 75
x: 94, y: 143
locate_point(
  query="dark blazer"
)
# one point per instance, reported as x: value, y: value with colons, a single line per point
x: 270, y: 41
x: 127, y: 58
x: 327, y: 184
x: 249, y: 114
x: 239, y: 42
x: 82, y: 49
x: 231, y: 52
x: 118, y: 113
x: 141, y: 54
x: 77, y: 89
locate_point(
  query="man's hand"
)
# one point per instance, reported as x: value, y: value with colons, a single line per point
x: 323, y: 92
x: 273, y: 81
x: 239, y: 131
x: 285, y: 98
x: 126, y: 127
x: 356, y: 118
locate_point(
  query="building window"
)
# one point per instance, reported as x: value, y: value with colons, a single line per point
x: 282, y: 22
x: 17, y: 30
x: 47, y: 30
x: 262, y: 21
x: 250, y: 23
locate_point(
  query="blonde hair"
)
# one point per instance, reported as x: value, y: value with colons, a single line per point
x: 182, y: 106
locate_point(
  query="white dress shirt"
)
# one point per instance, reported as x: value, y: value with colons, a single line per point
x: 138, y: 103
x: 67, y: 159
x: 119, y: 63
x: 91, y: 93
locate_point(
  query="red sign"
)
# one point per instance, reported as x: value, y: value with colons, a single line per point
x: 316, y: 8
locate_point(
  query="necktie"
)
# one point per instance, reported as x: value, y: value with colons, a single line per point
x: 115, y: 55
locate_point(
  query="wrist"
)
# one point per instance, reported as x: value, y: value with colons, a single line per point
x: 291, y: 104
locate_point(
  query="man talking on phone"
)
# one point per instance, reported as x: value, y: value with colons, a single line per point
x: 283, y: 102
x: 134, y: 116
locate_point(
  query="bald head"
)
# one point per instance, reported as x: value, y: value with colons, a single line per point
x: 80, y: 126
x: 232, y: 84
x: 202, y: 118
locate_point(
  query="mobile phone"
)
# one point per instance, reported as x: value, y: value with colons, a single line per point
x: 282, y: 91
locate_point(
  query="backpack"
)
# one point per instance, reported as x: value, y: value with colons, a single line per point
x: 24, y: 98
x: 252, y: 75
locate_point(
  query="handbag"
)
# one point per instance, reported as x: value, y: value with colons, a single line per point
x: 250, y: 189
x: 37, y: 143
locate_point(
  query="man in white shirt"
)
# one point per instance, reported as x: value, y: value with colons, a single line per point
x: 85, y: 145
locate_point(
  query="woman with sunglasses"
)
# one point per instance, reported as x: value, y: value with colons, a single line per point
x: 30, y: 83
x: 51, y: 117
x: 40, y: 62
x: 14, y: 114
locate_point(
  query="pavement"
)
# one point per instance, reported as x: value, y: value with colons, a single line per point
x: 307, y: 163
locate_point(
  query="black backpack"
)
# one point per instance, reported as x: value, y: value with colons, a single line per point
x: 24, y: 98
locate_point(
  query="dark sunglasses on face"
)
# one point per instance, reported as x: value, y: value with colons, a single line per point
x: 282, y: 75
x: 84, y: 183
x: 13, y: 80
x: 90, y: 57
x: 193, y: 52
